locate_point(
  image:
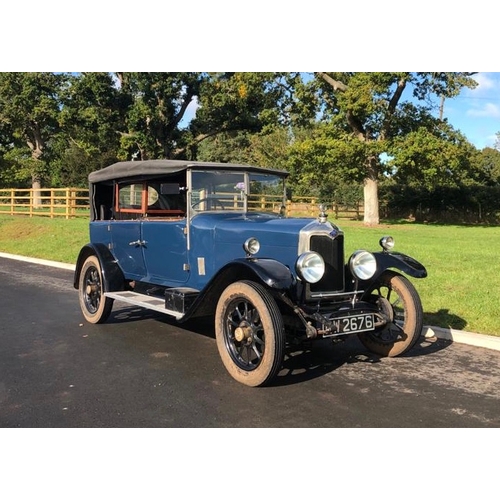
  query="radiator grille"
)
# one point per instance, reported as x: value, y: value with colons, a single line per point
x: 332, y: 251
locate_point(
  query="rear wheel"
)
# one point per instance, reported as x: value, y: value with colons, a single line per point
x: 399, y: 302
x: 250, y: 333
x: 95, y: 306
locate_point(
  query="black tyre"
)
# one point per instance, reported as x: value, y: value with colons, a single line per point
x: 94, y: 305
x: 399, y: 302
x: 250, y: 333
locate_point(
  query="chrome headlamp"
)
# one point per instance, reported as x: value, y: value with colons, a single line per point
x: 251, y: 246
x: 310, y: 267
x: 363, y: 264
x: 387, y: 243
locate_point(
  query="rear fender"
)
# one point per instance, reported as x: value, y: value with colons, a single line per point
x: 112, y: 275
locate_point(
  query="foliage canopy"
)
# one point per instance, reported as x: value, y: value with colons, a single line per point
x: 330, y: 130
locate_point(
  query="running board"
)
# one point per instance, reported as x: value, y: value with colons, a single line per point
x: 146, y: 301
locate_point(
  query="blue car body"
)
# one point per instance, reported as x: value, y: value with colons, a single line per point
x: 194, y: 239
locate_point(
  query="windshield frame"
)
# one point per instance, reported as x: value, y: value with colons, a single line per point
x: 205, y: 195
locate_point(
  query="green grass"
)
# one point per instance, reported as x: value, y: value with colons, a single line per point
x: 462, y: 290
x: 44, y: 238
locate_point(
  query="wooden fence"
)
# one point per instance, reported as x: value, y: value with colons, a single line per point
x: 74, y: 202
x: 53, y: 202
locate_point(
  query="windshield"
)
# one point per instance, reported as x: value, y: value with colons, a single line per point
x: 237, y: 191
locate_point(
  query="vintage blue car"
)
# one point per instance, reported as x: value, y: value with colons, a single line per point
x: 192, y: 239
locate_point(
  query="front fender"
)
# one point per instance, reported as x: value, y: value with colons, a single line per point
x: 399, y: 261
x: 269, y: 272
x: 112, y: 275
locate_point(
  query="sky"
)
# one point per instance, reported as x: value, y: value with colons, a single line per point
x: 476, y: 112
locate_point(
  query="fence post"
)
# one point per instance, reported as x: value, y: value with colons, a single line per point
x: 12, y: 205
x: 32, y: 200
x: 67, y: 203
x: 73, y: 202
x: 52, y: 203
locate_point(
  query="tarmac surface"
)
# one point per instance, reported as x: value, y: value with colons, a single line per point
x: 142, y: 369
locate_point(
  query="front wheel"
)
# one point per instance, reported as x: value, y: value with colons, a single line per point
x: 95, y: 306
x: 250, y: 333
x: 400, y: 304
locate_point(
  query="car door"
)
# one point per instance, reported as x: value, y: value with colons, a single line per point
x: 126, y: 230
x: 128, y: 248
x: 165, y: 251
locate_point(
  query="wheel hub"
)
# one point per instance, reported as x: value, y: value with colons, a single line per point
x: 91, y: 289
x: 243, y: 332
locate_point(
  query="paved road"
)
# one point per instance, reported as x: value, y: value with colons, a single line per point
x: 141, y: 369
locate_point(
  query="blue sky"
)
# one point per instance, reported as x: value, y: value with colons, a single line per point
x: 476, y: 113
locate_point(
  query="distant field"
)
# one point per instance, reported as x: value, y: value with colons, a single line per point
x: 462, y: 290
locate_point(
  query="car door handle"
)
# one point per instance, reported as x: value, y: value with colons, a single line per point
x: 138, y: 243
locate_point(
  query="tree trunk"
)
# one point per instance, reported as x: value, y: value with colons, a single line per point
x: 370, y: 192
x: 36, y: 144
x: 36, y: 184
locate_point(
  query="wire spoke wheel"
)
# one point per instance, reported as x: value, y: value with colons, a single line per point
x: 249, y: 332
x: 95, y: 306
x: 244, y: 334
x: 399, y: 303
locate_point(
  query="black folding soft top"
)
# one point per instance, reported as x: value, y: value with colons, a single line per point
x: 124, y: 169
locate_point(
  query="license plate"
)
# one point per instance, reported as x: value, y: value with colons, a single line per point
x: 355, y: 324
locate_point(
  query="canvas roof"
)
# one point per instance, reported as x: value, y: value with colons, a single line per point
x: 126, y: 169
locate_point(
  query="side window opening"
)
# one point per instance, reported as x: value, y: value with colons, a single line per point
x: 166, y: 198
x: 102, y: 202
x: 150, y: 199
x: 129, y: 201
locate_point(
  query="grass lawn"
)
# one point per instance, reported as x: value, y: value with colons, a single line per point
x: 462, y: 290
x: 44, y: 238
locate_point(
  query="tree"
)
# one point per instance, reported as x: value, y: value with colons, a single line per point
x: 29, y: 108
x: 434, y: 155
x: 369, y: 114
x: 91, y: 120
x: 155, y: 105
x: 254, y: 104
x: 489, y: 166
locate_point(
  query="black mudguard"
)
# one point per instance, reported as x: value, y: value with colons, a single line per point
x: 269, y: 272
x: 112, y: 275
x: 400, y: 261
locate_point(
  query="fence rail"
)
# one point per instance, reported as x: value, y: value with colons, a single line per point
x: 74, y: 202
x: 52, y: 202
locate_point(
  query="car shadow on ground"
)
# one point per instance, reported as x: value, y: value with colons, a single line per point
x: 325, y: 357
x: 444, y: 319
x: 315, y: 360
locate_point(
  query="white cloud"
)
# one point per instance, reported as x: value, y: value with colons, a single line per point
x: 488, y: 109
x: 491, y: 140
x: 488, y: 86
x: 486, y: 81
